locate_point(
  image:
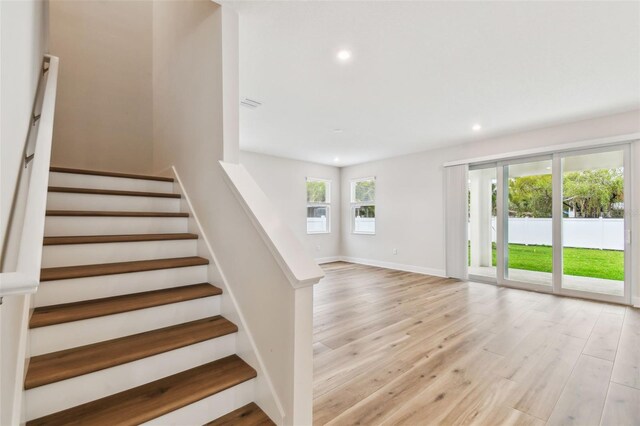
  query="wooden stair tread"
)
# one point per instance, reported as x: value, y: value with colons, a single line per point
x: 114, y: 213
x: 249, y: 415
x: 81, y: 271
x: 109, y: 174
x: 112, y: 192
x: 146, y: 402
x: 62, y: 365
x: 129, y: 238
x: 67, y: 312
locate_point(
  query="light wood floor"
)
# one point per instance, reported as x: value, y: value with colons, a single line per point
x: 394, y: 347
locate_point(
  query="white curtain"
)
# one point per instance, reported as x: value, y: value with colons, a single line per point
x: 456, y: 220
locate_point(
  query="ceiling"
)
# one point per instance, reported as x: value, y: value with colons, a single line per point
x: 422, y: 73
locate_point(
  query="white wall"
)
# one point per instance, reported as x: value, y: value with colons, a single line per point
x: 104, y: 107
x: 410, y: 192
x: 284, y: 182
x: 23, y: 42
x: 188, y: 117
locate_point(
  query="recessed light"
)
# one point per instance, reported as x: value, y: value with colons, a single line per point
x: 476, y: 127
x: 344, y: 55
x: 338, y: 130
x: 335, y: 160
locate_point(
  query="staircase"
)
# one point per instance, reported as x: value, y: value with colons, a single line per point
x: 126, y: 327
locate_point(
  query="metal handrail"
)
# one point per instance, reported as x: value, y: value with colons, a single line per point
x: 26, y: 277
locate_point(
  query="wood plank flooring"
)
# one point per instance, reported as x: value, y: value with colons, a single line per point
x: 109, y: 174
x: 81, y: 271
x: 130, y: 238
x: 56, y: 366
x: 249, y: 415
x: 144, y: 403
x: 397, y: 348
x: 85, y: 309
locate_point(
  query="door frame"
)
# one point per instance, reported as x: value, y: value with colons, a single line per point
x: 485, y: 278
x: 502, y: 240
x: 557, y: 225
x: 558, y: 269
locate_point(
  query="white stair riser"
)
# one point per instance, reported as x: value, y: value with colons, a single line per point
x: 210, y: 408
x: 88, y: 254
x: 77, y: 289
x: 95, y: 225
x: 79, y: 333
x: 68, y: 393
x: 75, y: 201
x: 72, y: 180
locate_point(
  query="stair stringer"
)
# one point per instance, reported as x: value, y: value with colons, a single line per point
x: 265, y: 394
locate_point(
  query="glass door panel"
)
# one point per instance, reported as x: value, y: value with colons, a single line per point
x: 528, y: 227
x: 593, y: 224
x: 482, y: 222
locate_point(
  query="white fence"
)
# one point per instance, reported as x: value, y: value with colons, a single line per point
x: 583, y: 233
x: 317, y: 224
x: 365, y: 225
x: 594, y: 233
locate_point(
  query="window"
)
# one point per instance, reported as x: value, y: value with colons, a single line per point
x: 318, y: 206
x: 363, y: 206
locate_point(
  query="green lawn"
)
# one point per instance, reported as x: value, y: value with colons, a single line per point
x: 607, y: 264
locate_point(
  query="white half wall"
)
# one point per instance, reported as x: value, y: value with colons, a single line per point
x: 284, y: 182
x: 23, y: 44
x: 23, y: 37
x: 188, y: 111
x: 410, y: 192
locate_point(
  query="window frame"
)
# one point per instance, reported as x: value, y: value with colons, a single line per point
x: 355, y: 205
x: 326, y: 204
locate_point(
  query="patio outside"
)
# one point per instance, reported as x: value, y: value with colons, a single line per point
x: 593, y: 223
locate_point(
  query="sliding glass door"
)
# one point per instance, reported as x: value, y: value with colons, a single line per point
x: 594, y: 224
x: 482, y: 222
x: 557, y: 223
x: 527, y: 222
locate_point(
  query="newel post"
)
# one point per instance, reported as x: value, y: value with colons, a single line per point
x: 303, y: 357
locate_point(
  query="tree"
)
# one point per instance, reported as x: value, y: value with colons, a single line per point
x: 366, y: 211
x: 588, y: 193
x: 595, y: 193
x: 530, y: 196
x: 316, y: 191
x: 365, y: 191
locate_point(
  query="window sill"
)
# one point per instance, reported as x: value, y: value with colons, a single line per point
x: 363, y: 233
x: 318, y: 233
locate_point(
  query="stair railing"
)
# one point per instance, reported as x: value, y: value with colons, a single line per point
x: 302, y: 272
x: 37, y: 156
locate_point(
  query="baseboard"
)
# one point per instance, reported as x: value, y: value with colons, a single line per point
x: 636, y: 302
x: 321, y: 260
x: 396, y: 266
